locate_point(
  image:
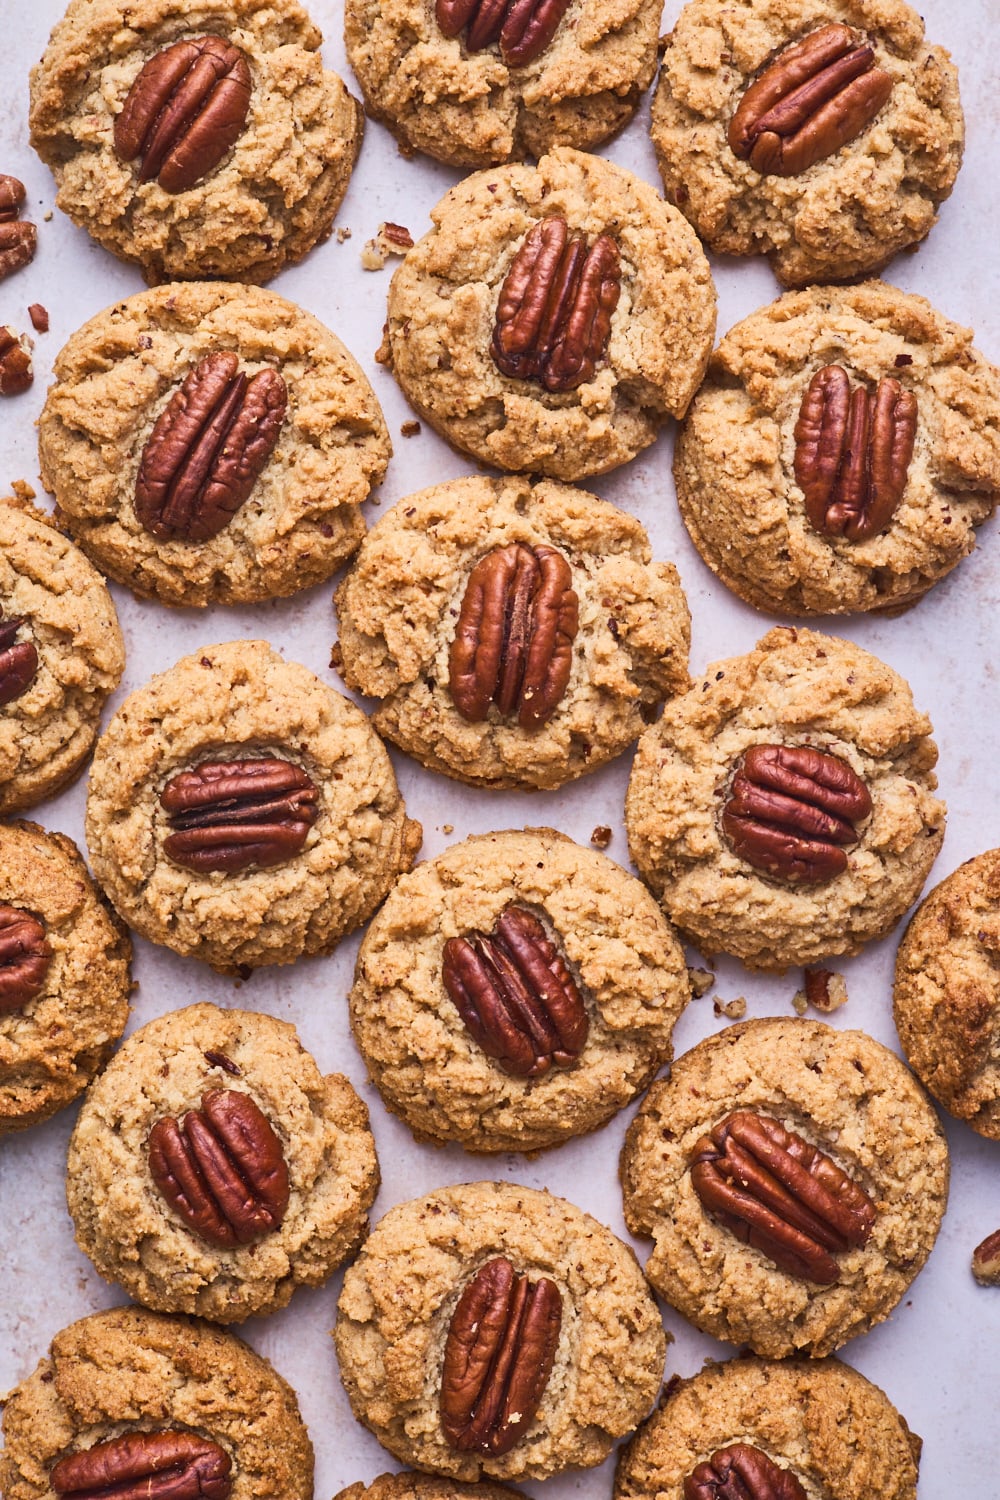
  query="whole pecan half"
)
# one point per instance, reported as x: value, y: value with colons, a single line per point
x: 146, y: 1466
x: 781, y: 1195
x: 852, y: 453
x: 817, y: 94
x: 18, y: 661
x: 185, y: 109
x: 222, y: 1168
x: 792, y: 812
x: 18, y: 238
x: 515, y: 993
x: 741, y: 1472
x: 207, y: 449
x: 553, y: 317
x: 498, y: 1357
x: 11, y: 197
x: 16, y: 372
x: 25, y: 956
x: 524, y: 28
x: 514, y: 639
x: 230, y: 814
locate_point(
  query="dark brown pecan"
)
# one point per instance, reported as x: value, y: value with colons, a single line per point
x: 515, y: 993
x: 230, y: 814
x: 18, y: 661
x: 780, y: 1194
x: 222, y: 1168
x: 553, y: 316
x: 184, y: 111
x: 852, y: 453
x: 25, y: 956
x: 11, y: 197
x: 146, y: 1466
x: 514, y: 639
x: 498, y: 1357
x: 792, y: 812
x: 986, y: 1260
x: 16, y: 372
x: 524, y: 28
x: 741, y: 1472
x: 817, y: 94
x: 207, y: 449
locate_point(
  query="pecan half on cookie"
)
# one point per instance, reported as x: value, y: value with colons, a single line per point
x: 25, y: 956
x: 146, y: 1466
x: 231, y: 814
x: 523, y: 28
x: 18, y: 661
x: 741, y: 1472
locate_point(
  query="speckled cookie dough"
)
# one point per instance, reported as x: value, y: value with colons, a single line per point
x: 847, y: 214
x: 734, y: 464
x: 411, y: 1486
x: 443, y: 303
x: 801, y: 689
x: 401, y: 1293
x: 273, y: 194
x: 129, y: 1371
x: 836, y: 1432
x: 53, y: 1043
x: 68, y: 655
x: 838, y: 1090
x: 399, y: 606
x: 114, y: 380
x: 240, y: 701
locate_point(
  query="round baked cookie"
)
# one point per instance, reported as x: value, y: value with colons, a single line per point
x: 239, y: 195
x: 403, y: 1296
x: 61, y: 654
x: 474, y: 108
x: 135, y: 1379
x: 109, y: 429
x: 411, y: 1486
x: 64, y: 975
x: 833, y: 1431
x: 308, y: 1217
x: 745, y: 463
x: 839, y: 1093
x: 783, y: 809
x: 278, y: 857
x: 606, y: 640
x: 854, y: 189
x: 443, y: 304
x: 610, y: 948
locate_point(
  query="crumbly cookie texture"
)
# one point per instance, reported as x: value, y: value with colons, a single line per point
x: 735, y: 456
x: 126, y: 1226
x: 275, y: 192
x: 471, y: 109
x: 839, y: 1434
x: 129, y: 1370
x: 946, y: 999
x: 409, y: 1485
x: 621, y: 952
x: 796, y: 687
x: 400, y: 1294
x: 442, y: 309
x: 47, y: 733
x: 838, y: 1090
x: 52, y: 1047
x: 399, y: 604
x: 231, y: 702
x: 115, y: 377
x: 848, y: 214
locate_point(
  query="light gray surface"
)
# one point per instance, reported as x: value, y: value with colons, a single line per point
x: 937, y: 1356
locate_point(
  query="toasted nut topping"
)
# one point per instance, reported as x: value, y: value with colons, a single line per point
x: 524, y: 28
x: 25, y: 956
x: 16, y: 373
x: 18, y: 661
x: 230, y: 814
x: 741, y: 1472
x: 146, y: 1466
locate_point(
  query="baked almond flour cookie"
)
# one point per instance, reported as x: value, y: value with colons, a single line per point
x: 826, y: 1429
x: 64, y: 975
x: 631, y: 316
x: 444, y: 1281
x: 783, y: 809
x: 841, y: 452
x: 195, y: 137
x: 126, y: 1394
x: 821, y: 133
x: 516, y: 991
x: 211, y: 443
x: 793, y: 1179
x: 61, y: 654
x: 411, y: 1486
x: 243, y: 813
x: 517, y: 634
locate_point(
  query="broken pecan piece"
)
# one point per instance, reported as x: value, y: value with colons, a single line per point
x: 852, y: 453
x: 222, y: 1168
x: 18, y: 238
x: 185, y: 109
x: 514, y: 639
x: 11, y: 197
x: 553, y: 318
x: 146, y: 1466
x: 817, y: 94
x: 792, y: 811
x: 230, y: 814
x: 524, y: 28
x: 16, y: 372
x: 515, y: 993
x: 986, y: 1260
x: 25, y: 956
x: 498, y: 1357
x: 18, y: 661
x: 780, y: 1194
x: 741, y: 1472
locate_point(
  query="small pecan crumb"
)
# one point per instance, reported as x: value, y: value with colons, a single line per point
x: 220, y: 1060
x: 733, y: 1010
x: 16, y: 373
x: 336, y: 658
x: 824, y: 990
x: 392, y: 239
x: 701, y: 981
x: 342, y: 235
x: 799, y: 1003
x: 601, y: 836
x: 447, y: 828
x: 986, y: 1260
x: 39, y: 317
x: 410, y: 429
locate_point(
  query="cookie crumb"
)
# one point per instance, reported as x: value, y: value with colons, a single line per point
x: 733, y: 1010
x: 23, y: 490
x: 391, y: 239
x: 601, y: 836
x: 342, y: 235
x: 47, y: 216
x: 799, y: 1003
x: 39, y: 316
x: 410, y: 429
x: 336, y: 657
x: 701, y: 981
x: 824, y: 990
x: 447, y: 828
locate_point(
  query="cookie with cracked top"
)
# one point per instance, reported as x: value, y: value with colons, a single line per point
x: 410, y: 1485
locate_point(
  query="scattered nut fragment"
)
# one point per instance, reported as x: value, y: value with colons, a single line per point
x: 447, y: 828
x: 39, y: 316
x: 799, y: 1003
x: 392, y: 239
x: 986, y: 1260
x: 701, y: 981
x: 824, y: 990
x: 601, y: 836
x: 733, y: 1010
x: 16, y: 373
x: 18, y: 237
x: 342, y: 235
x: 410, y: 429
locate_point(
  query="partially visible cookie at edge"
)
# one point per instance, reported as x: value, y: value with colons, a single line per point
x: 410, y: 1485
